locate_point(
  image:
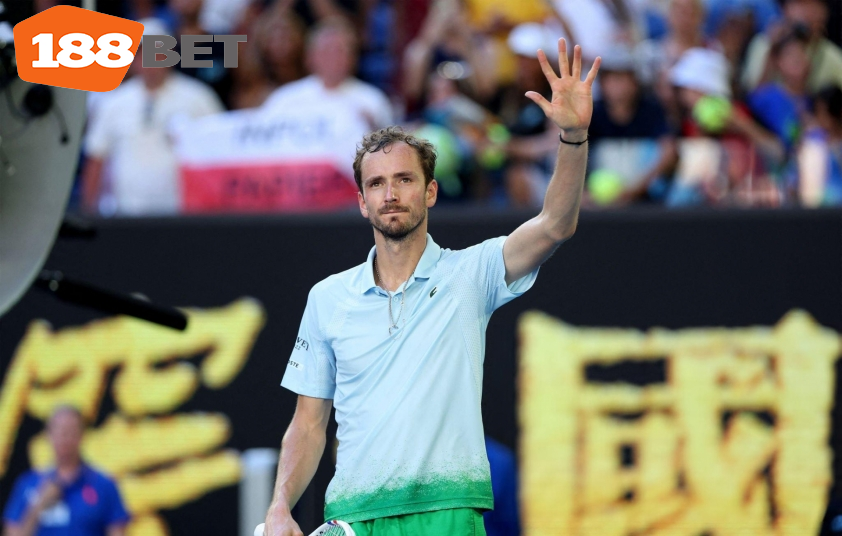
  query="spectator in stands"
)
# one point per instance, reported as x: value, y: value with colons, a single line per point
x: 331, y: 56
x: 781, y: 105
x: 534, y: 140
x: 825, y: 57
x: 250, y: 83
x: 701, y: 80
x: 732, y: 32
x: 280, y: 37
x: 629, y: 131
x: 655, y: 58
x: 448, y: 43
x: 70, y: 498
x: 820, y: 156
x: 129, y: 138
x: 599, y: 26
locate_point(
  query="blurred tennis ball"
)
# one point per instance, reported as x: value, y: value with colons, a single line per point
x: 494, y: 155
x: 712, y: 113
x: 605, y: 186
x: 448, y: 157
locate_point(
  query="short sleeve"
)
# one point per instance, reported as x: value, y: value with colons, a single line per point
x: 99, y: 138
x: 311, y: 369
x: 484, y: 263
x: 382, y: 110
x: 206, y: 102
x: 116, y: 513
x: 16, y: 506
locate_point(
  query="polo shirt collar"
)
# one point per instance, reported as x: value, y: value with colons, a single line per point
x: 426, y: 265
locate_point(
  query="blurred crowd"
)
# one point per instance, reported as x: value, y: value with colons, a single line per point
x: 697, y: 103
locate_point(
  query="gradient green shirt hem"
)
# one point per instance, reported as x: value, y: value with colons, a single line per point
x: 411, y: 500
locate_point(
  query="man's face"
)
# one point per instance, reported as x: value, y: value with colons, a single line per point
x: 394, y: 198
x: 685, y: 17
x: 152, y: 77
x: 811, y: 13
x: 689, y: 97
x: 618, y: 87
x: 65, y: 433
x: 794, y: 62
x: 332, y: 57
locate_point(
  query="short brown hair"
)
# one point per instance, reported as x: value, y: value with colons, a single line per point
x: 385, y: 137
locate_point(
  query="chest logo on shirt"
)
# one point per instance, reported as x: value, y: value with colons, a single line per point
x: 295, y: 364
x: 89, y: 495
x: 301, y: 344
x: 433, y: 292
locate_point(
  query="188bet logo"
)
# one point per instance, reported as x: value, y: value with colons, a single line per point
x: 75, y: 48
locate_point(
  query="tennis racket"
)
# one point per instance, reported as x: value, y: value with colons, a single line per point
x: 331, y: 528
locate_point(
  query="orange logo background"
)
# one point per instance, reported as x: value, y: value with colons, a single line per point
x: 62, y: 20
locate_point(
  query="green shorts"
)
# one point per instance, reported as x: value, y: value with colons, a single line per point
x: 452, y: 522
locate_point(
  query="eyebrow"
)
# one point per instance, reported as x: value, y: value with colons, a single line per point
x: 399, y: 174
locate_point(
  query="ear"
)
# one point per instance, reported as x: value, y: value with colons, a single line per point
x: 363, y: 208
x: 432, y: 193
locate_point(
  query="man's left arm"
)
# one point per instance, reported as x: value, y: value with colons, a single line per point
x: 570, y: 109
x: 117, y: 517
x: 116, y: 530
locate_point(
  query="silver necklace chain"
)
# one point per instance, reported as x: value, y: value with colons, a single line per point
x: 392, y: 321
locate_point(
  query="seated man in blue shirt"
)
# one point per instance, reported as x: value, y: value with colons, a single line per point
x: 71, y: 499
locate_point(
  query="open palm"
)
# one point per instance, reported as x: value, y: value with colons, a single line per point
x: 571, y: 106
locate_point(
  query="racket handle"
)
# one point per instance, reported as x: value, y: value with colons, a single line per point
x: 258, y: 530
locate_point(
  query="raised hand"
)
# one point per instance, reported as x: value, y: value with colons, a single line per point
x: 571, y: 106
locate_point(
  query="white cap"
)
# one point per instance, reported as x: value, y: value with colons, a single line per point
x: 525, y: 40
x: 154, y: 26
x: 703, y: 70
x: 618, y: 59
x: 222, y: 16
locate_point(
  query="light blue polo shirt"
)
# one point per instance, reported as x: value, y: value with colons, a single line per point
x: 407, y: 405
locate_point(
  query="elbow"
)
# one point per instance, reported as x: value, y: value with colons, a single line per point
x: 561, y: 231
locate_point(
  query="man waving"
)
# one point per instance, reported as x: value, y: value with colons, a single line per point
x: 397, y: 343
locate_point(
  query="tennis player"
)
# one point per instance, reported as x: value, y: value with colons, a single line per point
x: 397, y: 343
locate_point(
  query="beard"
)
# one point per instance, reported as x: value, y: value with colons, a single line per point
x: 397, y: 231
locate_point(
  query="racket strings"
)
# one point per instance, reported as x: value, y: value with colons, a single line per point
x: 331, y: 531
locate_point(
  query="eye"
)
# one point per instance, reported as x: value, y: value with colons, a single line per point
x: 406, y: 179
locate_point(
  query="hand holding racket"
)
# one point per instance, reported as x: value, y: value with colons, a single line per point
x: 331, y: 528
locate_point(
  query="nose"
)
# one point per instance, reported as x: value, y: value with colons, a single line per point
x: 391, y: 193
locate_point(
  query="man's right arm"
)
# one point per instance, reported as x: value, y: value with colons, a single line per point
x: 301, y: 451
x: 49, y: 494
x: 91, y: 184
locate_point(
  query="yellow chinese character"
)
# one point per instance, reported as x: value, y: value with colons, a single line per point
x: 731, y: 437
x: 160, y: 461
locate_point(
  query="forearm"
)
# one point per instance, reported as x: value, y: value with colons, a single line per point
x: 765, y: 141
x: 27, y: 526
x: 417, y: 59
x: 560, y: 213
x: 324, y: 9
x: 116, y: 530
x: 533, y: 147
x: 665, y: 163
x: 301, y: 451
x: 91, y: 184
x: 483, y: 77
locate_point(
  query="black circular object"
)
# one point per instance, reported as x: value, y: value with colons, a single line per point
x: 38, y: 100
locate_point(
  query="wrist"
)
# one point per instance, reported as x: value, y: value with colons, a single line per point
x: 573, y: 136
x: 280, y: 508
